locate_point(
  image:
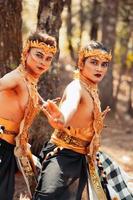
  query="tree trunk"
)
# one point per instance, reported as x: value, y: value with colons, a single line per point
x: 96, y: 15
x: 10, y: 34
x: 49, y: 16
x: 126, y: 13
x: 49, y: 21
x: 124, y: 44
x: 108, y: 39
x: 69, y: 28
x: 82, y: 20
x: 130, y: 102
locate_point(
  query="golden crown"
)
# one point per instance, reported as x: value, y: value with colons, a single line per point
x: 36, y: 44
x: 102, y: 55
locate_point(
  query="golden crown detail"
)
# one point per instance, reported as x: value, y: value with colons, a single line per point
x: 36, y: 44
x: 42, y: 45
x: 102, y: 55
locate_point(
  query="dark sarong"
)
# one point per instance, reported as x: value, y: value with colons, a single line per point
x: 63, y: 176
x: 8, y: 168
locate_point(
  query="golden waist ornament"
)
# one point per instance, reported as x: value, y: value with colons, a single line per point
x: 67, y: 139
x: 8, y: 130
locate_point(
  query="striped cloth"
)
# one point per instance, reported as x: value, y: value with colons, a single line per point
x: 117, y: 178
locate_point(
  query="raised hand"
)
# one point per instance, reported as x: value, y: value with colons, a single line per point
x: 54, y: 115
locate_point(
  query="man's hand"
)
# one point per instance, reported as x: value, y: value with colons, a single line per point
x: 54, y: 115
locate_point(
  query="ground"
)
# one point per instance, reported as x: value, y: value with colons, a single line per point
x: 117, y: 141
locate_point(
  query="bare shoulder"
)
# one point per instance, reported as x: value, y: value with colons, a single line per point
x: 12, y: 75
x: 10, y: 80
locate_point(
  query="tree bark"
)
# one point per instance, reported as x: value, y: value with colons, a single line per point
x: 130, y: 102
x: 49, y: 16
x: 69, y: 29
x: 10, y: 34
x: 108, y: 39
x: 124, y: 44
x: 96, y: 15
x: 49, y: 21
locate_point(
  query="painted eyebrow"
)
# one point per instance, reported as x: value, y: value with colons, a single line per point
x: 39, y: 53
x: 105, y: 62
x: 94, y: 59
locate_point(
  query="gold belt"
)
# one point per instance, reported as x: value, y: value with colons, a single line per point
x: 69, y: 139
x: 8, y: 136
x: 74, y: 141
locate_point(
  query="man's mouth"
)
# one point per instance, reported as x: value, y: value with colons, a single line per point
x: 41, y: 68
x: 98, y: 75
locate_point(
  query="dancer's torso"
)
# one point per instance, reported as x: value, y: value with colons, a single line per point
x: 81, y: 125
x: 13, y: 101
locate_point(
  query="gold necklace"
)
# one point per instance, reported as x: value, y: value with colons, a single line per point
x: 92, y: 88
x: 32, y: 83
x: 31, y: 79
x: 89, y: 85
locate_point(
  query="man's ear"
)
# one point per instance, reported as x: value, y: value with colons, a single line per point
x: 27, y: 54
x: 81, y: 66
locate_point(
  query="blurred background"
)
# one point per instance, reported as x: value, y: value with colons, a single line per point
x: 74, y: 23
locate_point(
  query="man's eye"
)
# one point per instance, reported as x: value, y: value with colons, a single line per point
x: 94, y: 62
x: 39, y: 55
x: 48, y: 59
x: 105, y: 64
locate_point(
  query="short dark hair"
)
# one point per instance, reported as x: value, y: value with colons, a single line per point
x: 95, y: 45
x: 43, y: 37
x: 92, y: 45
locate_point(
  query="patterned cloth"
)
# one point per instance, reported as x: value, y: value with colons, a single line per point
x: 64, y: 176
x: 116, y: 177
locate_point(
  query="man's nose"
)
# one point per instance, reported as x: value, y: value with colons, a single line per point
x: 99, y: 67
x: 43, y: 61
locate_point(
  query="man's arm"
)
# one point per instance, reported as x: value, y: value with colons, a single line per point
x: 9, y: 81
x: 60, y: 117
x: 72, y: 99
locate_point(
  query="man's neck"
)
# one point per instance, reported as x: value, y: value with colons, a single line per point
x: 87, y: 81
x: 29, y: 75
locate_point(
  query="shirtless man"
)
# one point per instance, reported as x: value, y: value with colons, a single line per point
x: 68, y: 161
x: 19, y: 102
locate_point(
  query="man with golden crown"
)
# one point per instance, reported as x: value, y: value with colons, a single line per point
x: 19, y: 103
x: 73, y: 168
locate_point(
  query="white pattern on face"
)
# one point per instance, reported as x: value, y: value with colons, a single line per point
x: 38, y: 61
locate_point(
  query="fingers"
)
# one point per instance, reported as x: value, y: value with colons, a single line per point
x: 52, y: 106
x: 56, y: 100
x: 104, y: 113
x: 46, y: 113
x: 49, y: 106
x: 54, y: 122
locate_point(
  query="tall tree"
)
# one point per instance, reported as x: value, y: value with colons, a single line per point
x: 49, y: 21
x: 96, y: 15
x: 125, y: 34
x: 82, y: 20
x: 10, y: 34
x: 49, y: 16
x: 130, y: 101
x: 70, y: 26
x: 108, y: 38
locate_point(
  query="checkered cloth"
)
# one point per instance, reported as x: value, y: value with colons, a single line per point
x: 116, y: 177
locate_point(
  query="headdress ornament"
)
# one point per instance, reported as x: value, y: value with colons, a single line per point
x: 101, y: 54
x: 36, y: 44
